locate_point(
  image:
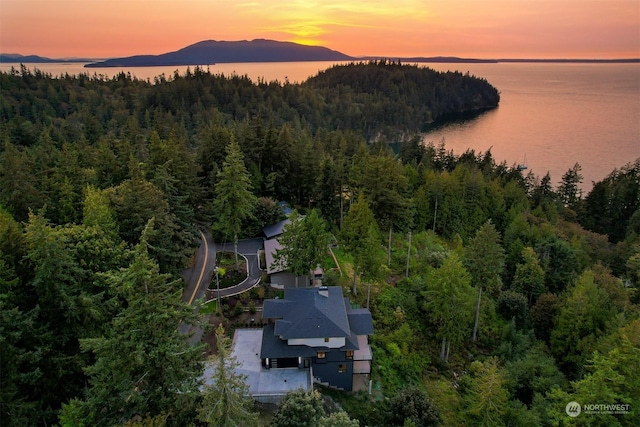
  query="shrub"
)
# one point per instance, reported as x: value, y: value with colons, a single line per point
x: 238, y: 309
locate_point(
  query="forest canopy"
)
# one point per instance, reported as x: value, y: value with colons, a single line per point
x: 475, y: 274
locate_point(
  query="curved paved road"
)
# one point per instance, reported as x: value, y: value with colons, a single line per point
x: 248, y: 248
x: 199, y: 277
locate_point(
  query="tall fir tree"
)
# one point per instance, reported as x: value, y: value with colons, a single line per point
x: 304, y: 244
x: 449, y: 301
x: 234, y: 200
x: 361, y: 238
x: 226, y: 401
x: 143, y: 365
x: 484, y: 259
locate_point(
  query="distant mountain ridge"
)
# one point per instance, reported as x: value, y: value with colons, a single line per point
x: 36, y: 59
x: 211, y: 52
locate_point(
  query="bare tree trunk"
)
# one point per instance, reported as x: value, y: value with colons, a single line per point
x: 435, y: 214
x: 368, y: 294
x: 235, y: 249
x: 406, y: 274
x: 354, y: 291
x: 389, y: 247
x: 475, y: 325
x: 341, y: 206
x: 446, y: 359
x: 442, y: 349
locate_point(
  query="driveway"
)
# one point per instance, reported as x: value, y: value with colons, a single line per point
x: 266, y: 385
x: 199, y: 277
x: 248, y: 248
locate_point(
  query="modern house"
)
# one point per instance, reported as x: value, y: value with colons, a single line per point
x: 316, y: 329
x: 279, y: 276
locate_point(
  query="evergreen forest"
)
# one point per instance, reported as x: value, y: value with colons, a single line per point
x: 498, y: 297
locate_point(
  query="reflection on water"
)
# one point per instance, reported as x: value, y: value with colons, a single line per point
x: 556, y: 115
x: 448, y: 121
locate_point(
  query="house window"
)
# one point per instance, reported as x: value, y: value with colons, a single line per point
x: 349, y: 354
x: 342, y: 368
x: 322, y: 355
x: 326, y: 340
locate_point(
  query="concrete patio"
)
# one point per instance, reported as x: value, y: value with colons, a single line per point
x: 265, y: 385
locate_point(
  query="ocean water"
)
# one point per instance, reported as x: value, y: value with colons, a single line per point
x: 550, y: 117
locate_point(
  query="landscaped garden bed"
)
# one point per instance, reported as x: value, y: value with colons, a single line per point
x: 229, y: 275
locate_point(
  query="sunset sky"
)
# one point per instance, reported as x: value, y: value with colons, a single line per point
x: 464, y: 28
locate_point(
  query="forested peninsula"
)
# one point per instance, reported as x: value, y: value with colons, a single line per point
x: 497, y: 298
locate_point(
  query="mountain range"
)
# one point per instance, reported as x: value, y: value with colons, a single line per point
x: 36, y: 59
x: 210, y: 52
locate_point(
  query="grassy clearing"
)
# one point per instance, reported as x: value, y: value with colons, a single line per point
x: 209, y: 307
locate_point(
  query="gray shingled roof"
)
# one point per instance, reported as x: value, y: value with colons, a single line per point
x: 309, y: 313
x: 360, y: 321
x: 351, y: 343
x: 276, y: 229
x: 276, y: 308
x: 274, y: 347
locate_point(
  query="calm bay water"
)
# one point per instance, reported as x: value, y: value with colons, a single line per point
x: 554, y: 115
x: 550, y: 115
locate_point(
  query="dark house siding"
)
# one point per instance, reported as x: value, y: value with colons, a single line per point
x: 307, y: 314
x: 327, y: 370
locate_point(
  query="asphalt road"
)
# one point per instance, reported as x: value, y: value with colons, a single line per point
x: 199, y: 277
x: 248, y: 248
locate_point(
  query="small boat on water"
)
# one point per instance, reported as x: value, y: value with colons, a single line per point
x: 523, y: 166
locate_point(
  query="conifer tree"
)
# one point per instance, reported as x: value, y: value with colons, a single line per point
x: 488, y: 395
x: 584, y: 316
x: 484, y: 259
x: 529, y: 277
x: 329, y: 189
x: 19, y: 333
x: 384, y: 184
x: 449, y: 303
x: 234, y: 200
x: 568, y: 192
x: 361, y: 238
x: 304, y: 244
x: 226, y: 401
x: 143, y: 364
